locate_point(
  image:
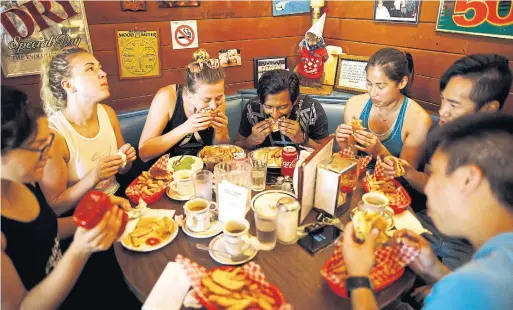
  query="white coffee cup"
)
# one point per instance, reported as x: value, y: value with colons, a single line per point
x: 374, y: 202
x: 198, y: 214
x: 236, y: 236
x: 182, y: 183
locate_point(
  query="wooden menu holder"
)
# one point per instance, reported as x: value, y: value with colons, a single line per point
x: 307, y: 173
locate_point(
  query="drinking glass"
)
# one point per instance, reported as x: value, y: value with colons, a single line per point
x: 265, y: 222
x: 203, y: 181
x: 258, y: 174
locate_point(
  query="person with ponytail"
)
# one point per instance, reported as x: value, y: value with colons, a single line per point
x: 184, y: 118
x: 88, y: 139
x: 393, y: 124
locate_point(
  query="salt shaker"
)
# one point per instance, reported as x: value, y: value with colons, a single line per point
x: 288, y: 214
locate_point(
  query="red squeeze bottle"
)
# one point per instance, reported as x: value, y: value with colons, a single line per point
x: 91, y: 210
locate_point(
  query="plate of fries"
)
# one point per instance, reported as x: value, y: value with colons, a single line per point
x: 233, y: 288
x: 150, y: 232
x: 147, y: 188
x: 272, y: 153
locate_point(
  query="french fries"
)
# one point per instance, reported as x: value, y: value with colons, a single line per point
x: 146, y: 185
x: 388, y: 188
x: 157, y: 229
x: 233, y: 290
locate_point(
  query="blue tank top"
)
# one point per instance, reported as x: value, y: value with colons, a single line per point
x: 393, y: 142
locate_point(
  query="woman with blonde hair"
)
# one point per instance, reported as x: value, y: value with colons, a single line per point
x: 89, y: 147
x: 183, y: 119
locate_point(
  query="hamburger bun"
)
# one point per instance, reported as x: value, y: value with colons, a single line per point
x: 398, y: 166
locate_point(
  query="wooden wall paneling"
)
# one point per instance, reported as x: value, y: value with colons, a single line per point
x: 109, y: 12
x: 421, y: 36
x: 428, y: 63
x: 103, y: 35
x: 483, y: 45
x: 231, y: 89
x: 351, y: 9
x: 130, y: 104
x: 426, y: 89
x: 365, y: 10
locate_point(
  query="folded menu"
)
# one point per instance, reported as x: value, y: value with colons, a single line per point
x: 406, y: 220
x: 170, y: 289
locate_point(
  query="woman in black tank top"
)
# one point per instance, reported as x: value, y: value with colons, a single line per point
x: 183, y: 119
x: 35, y: 274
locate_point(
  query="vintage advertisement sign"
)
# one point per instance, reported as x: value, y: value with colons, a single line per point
x: 33, y: 30
x: 492, y: 18
x: 138, y: 53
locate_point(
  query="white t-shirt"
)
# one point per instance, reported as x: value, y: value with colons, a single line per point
x: 84, y: 153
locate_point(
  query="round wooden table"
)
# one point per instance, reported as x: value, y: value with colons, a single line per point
x: 294, y: 271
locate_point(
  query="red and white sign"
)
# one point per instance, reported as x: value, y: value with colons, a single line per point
x: 184, y: 34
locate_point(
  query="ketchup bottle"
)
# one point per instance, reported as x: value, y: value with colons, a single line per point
x: 91, y: 210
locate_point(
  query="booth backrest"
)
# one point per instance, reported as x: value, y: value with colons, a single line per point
x: 132, y: 123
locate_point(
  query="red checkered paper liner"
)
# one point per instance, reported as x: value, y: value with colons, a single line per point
x: 389, y: 266
x: 363, y: 161
x: 134, y: 194
x: 161, y: 164
x: 378, y: 170
x: 196, y: 272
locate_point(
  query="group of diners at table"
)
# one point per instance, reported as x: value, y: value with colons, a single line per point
x: 463, y: 164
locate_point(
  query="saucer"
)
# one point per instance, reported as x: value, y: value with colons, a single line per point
x: 214, y: 229
x: 175, y: 196
x: 218, y: 244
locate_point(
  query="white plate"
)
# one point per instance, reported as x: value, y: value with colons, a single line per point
x: 197, y: 165
x: 214, y: 229
x: 151, y: 213
x: 218, y: 244
x: 264, y: 150
x: 175, y: 196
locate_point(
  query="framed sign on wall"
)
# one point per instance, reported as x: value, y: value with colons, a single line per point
x: 491, y: 18
x: 261, y: 65
x: 28, y: 38
x: 138, y: 53
x: 351, y: 75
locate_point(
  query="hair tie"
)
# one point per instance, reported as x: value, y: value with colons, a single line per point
x: 197, y: 66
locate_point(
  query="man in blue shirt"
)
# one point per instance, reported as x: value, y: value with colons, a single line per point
x: 469, y: 196
x: 473, y: 84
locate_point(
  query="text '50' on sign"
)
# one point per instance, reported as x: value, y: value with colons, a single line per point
x: 492, y: 18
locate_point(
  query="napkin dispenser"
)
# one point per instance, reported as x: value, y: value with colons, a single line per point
x: 336, y: 181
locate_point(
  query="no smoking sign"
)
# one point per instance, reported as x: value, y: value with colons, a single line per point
x: 184, y: 34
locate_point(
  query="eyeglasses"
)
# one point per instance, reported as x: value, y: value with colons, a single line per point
x: 43, y: 149
x: 196, y: 67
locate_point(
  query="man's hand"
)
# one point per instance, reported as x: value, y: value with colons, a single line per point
x: 426, y: 264
x: 291, y: 129
x: 359, y: 258
x: 259, y: 132
x: 389, y: 170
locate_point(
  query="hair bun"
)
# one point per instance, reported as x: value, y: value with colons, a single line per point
x: 200, y: 55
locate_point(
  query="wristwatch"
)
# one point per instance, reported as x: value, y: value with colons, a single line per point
x: 353, y: 283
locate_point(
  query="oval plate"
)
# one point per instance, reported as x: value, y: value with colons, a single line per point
x: 196, y: 166
x: 148, y: 248
x: 272, y: 161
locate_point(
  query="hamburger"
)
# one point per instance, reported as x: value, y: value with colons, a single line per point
x: 357, y: 124
x: 159, y: 174
x: 365, y: 222
x: 274, y: 124
x: 398, y: 166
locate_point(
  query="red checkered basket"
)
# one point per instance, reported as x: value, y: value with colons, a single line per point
x: 134, y: 195
x: 403, y: 199
x: 363, y: 161
x: 389, y: 267
x: 195, y: 272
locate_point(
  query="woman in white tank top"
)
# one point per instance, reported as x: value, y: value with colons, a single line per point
x: 88, y: 138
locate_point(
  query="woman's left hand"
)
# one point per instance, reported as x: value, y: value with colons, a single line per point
x: 220, y: 121
x: 367, y: 142
x: 129, y: 151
